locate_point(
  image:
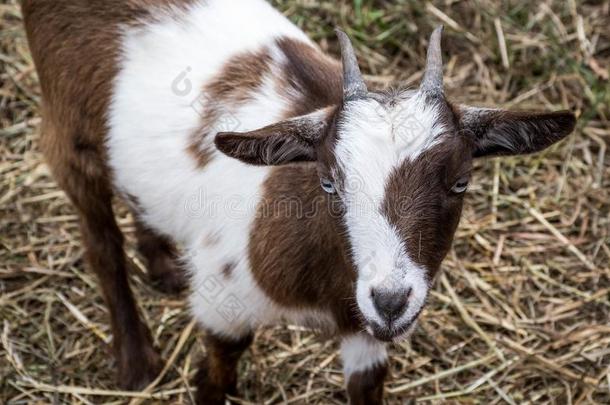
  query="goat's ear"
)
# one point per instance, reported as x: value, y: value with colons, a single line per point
x: 501, y: 132
x: 292, y: 140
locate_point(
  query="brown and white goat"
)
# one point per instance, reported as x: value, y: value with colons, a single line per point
x: 144, y: 98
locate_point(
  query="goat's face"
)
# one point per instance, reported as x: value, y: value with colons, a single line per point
x: 399, y: 164
x: 399, y: 168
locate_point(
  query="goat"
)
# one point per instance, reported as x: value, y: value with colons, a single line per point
x: 294, y: 192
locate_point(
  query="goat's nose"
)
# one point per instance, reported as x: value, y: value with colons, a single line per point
x: 390, y: 304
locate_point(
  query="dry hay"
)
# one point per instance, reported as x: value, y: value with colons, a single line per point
x: 520, y: 313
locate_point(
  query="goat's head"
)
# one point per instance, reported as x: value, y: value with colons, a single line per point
x: 399, y: 163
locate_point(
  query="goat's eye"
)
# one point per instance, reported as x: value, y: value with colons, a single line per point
x: 460, y: 186
x: 327, y: 185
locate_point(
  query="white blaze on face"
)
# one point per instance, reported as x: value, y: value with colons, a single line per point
x: 373, y: 140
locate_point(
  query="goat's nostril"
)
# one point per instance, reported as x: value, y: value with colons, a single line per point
x: 391, y: 304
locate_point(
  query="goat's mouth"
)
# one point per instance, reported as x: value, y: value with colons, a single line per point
x: 393, y: 332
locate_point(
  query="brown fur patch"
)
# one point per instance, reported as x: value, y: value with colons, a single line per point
x: 297, y: 252
x: 366, y: 387
x: 232, y: 86
x: 240, y: 76
x: 420, y: 204
x: 315, y: 76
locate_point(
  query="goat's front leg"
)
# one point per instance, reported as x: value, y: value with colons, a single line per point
x: 217, y: 376
x: 365, y: 368
x: 161, y: 258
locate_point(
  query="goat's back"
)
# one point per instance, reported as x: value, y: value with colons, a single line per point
x: 75, y: 45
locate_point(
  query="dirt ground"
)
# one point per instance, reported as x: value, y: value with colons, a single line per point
x: 520, y: 313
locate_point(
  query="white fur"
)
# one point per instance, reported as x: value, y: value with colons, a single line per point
x: 374, y: 140
x: 361, y: 352
x: 152, y: 118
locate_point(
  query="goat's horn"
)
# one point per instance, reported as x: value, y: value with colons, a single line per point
x: 353, y: 84
x: 433, y: 75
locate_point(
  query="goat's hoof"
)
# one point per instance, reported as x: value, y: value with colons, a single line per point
x: 138, y: 372
x: 167, y: 276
